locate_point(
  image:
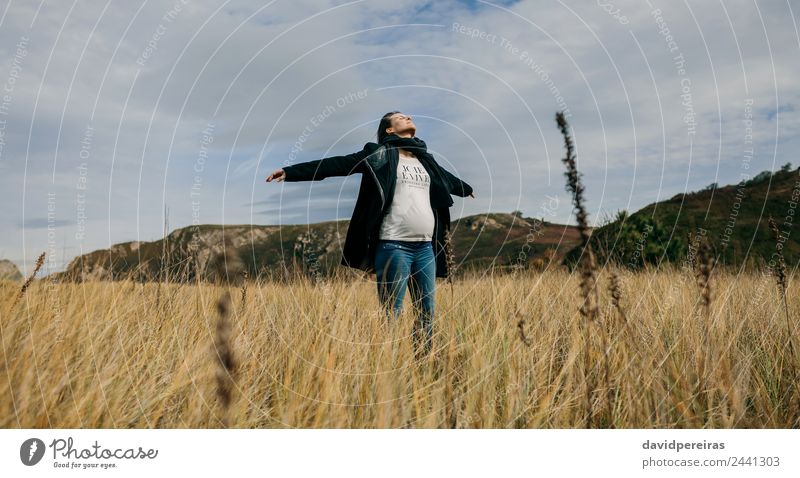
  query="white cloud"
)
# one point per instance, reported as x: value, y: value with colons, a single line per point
x: 261, y: 72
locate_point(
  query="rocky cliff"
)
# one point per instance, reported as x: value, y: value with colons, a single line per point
x: 227, y: 253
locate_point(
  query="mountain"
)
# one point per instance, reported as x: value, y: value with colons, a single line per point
x: 215, y: 252
x: 9, y: 271
x: 733, y: 218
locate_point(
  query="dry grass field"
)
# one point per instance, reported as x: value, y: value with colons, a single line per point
x: 509, y: 352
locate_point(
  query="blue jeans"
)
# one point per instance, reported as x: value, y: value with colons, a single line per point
x: 401, y: 264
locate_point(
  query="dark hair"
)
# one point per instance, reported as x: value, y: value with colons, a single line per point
x: 385, y: 123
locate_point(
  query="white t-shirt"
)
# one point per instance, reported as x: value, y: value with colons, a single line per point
x: 410, y: 217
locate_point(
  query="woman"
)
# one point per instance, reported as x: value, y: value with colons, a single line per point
x: 400, y: 218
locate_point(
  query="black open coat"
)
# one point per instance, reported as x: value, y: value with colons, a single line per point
x: 378, y: 167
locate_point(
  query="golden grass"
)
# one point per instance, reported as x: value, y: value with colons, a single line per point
x: 104, y: 355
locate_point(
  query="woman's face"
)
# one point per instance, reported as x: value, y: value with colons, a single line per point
x: 401, y: 124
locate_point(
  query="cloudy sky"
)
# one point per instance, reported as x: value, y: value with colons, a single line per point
x: 111, y: 112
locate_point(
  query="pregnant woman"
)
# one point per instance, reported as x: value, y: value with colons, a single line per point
x: 400, y: 217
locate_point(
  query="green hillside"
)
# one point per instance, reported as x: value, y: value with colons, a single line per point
x: 733, y: 218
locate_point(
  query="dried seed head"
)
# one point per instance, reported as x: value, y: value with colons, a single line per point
x: 615, y: 288
x: 588, y: 265
x: 39, y: 263
x: 703, y: 271
x: 244, y: 289
x: 521, y: 327
x: 450, y: 255
x: 224, y: 358
x: 780, y: 266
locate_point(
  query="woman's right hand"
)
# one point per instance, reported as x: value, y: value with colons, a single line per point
x: 278, y: 175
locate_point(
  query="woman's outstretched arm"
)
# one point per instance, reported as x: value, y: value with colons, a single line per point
x: 460, y: 188
x: 320, y: 169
